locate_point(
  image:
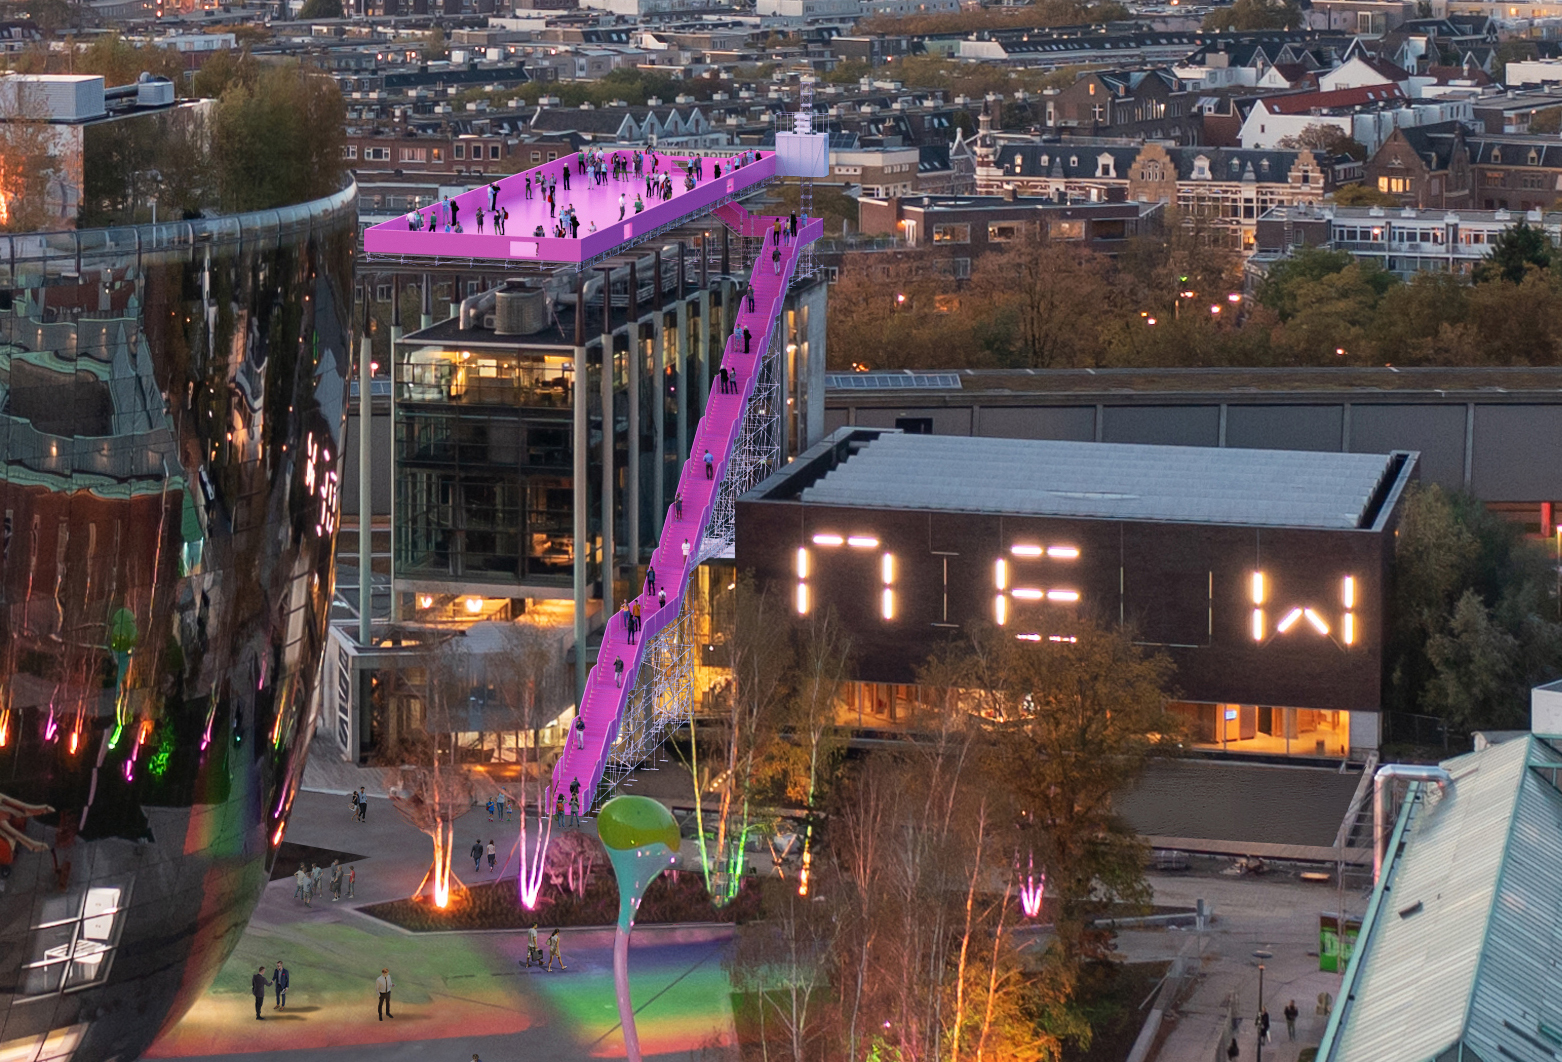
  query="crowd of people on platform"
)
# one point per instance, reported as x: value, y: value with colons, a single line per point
x: 600, y: 167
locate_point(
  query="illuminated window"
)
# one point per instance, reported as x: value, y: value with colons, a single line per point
x: 74, y: 939
x: 802, y: 581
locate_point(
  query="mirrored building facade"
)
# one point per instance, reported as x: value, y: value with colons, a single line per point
x: 171, y: 423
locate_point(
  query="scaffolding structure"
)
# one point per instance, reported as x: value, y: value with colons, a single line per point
x: 658, y: 703
x: 755, y: 454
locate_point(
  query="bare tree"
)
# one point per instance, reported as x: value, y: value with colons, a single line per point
x: 432, y: 793
x: 743, y: 738
x: 785, y: 961
x: 527, y: 677
x: 814, y: 741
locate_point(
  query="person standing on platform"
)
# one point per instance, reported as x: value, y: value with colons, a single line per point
x: 620, y: 206
x: 678, y: 504
x: 710, y: 473
x: 793, y: 222
x: 775, y: 258
x: 650, y: 577
x: 723, y: 379
x: 618, y: 672
x: 493, y: 197
x: 747, y: 337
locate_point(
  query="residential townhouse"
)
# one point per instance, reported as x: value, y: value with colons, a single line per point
x: 1450, y: 167
x: 1220, y: 192
x: 1152, y: 103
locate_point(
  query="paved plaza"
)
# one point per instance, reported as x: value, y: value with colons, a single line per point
x: 456, y: 993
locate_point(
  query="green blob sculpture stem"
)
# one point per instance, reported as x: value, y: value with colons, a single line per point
x: 641, y: 839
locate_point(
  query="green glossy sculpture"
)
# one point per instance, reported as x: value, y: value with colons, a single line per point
x: 641, y: 838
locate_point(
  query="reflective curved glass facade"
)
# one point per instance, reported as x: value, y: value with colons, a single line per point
x: 172, y: 410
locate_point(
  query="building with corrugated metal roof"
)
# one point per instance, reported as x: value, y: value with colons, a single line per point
x: 1458, y: 955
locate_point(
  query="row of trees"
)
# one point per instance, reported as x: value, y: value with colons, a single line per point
x: 1177, y: 301
x: 896, y: 938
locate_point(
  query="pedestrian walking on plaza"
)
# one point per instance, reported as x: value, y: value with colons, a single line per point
x: 352, y: 879
x: 618, y: 672
x: 355, y: 805
x: 317, y: 879
x: 257, y: 985
x: 477, y: 855
x: 279, y: 982
x: 558, y: 811
x: 336, y: 880
x: 383, y: 985
x: 532, y: 951
x: 1263, y: 1026
x: 553, y: 950
x: 492, y: 852
x: 300, y: 882
x: 363, y: 804
x: 490, y: 809
x: 1290, y: 1013
x: 1233, y: 1051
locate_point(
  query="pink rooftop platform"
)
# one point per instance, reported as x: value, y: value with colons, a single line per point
x: 593, y: 203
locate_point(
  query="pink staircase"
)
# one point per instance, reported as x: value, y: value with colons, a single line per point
x: 603, y: 704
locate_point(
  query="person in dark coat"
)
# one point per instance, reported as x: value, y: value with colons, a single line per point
x: 279, y: 982
x: 257, y: 985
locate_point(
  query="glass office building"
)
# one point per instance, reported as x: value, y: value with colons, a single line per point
x: 171, y: 421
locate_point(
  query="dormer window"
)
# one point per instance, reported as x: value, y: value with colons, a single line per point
x: 1073, y: 162
x: 1044, y: 160
x: 1201, y: 168
x: 1496, y: 154
x: 1105, y: 166
x: 1534, y: 157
